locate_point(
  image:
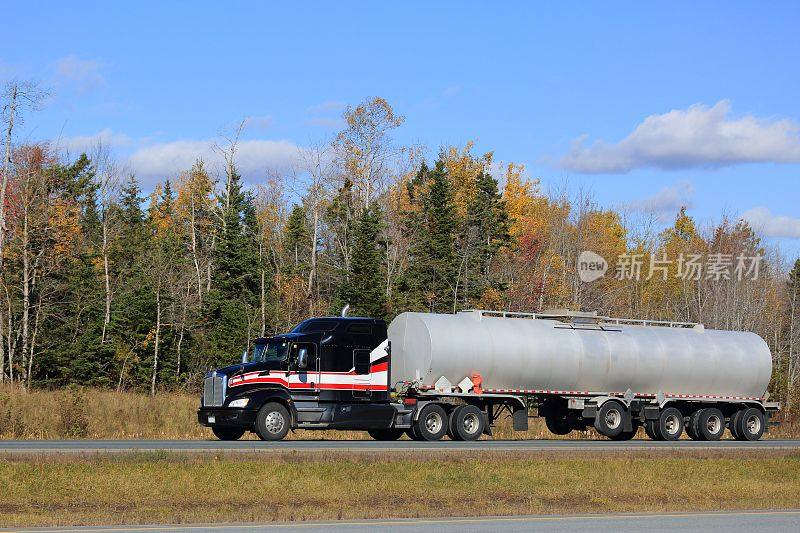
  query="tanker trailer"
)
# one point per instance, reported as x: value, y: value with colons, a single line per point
x: 578, y: 370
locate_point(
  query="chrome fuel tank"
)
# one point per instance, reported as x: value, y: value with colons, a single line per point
x: 549, y: 354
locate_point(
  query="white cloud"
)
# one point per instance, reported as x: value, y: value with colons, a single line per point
x: 699, y: 136
x: 82, y: 74
x: 667, y: 201
x: 763, y: 221
x: 85, y: 143
x: 253, y: 157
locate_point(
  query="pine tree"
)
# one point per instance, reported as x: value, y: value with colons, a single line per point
x: 230, y: 313
x: 432, y: 276
x: 295, y: 241
x: 364, y: 289
x: 486, y: 231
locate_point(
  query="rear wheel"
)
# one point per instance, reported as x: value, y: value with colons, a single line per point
x: 386, y: 434
x: 467, y: 423
x: 651, y: 429
x: 431, y: 424
x: 272, y: 422
x: 751, y: 424
x: 610, y: 419
x: 670, y: 424
x: 733, y: 424
x: 558, y: 425
x: 690, y: 426
x: 227, y: 433
x: 709, y: 424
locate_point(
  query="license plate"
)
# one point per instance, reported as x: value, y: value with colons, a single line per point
x: 211, y: 419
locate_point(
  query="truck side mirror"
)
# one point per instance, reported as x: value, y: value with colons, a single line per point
x: 302, y: 358
x: 244, y: 356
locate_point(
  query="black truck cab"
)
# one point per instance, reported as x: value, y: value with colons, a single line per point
x: 327, y: 372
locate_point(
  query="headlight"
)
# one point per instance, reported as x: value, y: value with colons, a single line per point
x: 241, y: 402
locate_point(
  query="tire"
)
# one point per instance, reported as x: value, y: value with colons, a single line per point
x: 733, y: 424
x: 272, y: 421
x: 709, y: 424
x: 690, y: 426
x: 431, y: 423
x: 451, y: 422
x: 751, y: 424
x: 467, y: 422
x: 386, y: 434
x: 610, y: 419
x: 227, y: 433
x: 558, y: 425
x: 651, y: 429
x: 670, y: 424
x: 412, y: 434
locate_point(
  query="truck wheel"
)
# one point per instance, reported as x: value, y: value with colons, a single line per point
x: 451, y: 422
x: 650, y: 429
x: 432, y: 423
x: 227, y: 433
x: 386, y: 434
x: 558, y: 425
x: 272, y: 422
x: 709, y: 424
x: 610, y: 419
x: 733, y: 424
x: 670, y: 424
x: 691, y: 425
x: 467, y: 423
x: 751, y: 424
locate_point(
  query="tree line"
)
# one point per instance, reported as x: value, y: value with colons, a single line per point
x: 103, y: 285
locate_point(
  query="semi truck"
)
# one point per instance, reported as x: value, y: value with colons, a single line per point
x: 432, y: 375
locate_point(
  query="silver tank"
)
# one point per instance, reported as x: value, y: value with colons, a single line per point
x: 549, y: 354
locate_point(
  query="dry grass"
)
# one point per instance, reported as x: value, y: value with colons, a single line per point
x: 102, y: 414
x: 181, y: 488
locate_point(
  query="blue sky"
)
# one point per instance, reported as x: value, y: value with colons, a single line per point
x: 644, y: 106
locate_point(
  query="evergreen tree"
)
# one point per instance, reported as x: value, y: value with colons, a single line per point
x: 432, y: 275
x: 365, y: 289
x: 295, y: 240
x: 485, y: 233
x: 231, y: 303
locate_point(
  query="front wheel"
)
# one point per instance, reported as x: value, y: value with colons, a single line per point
x: 669, y: 425
x: 431, y: 424
x: 272, y: 422
x: 610, y: 419
x: 227, y: 433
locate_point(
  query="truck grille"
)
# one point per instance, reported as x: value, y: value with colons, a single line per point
x: 214, y: 390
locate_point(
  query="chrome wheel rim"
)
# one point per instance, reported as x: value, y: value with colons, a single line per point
x: 433, y: 423
x: 713, y: 424
x: 753, y: 424
x: 613, y: 419
x: 471, y: 423
x: 274, y: 422
x: 672, y: 424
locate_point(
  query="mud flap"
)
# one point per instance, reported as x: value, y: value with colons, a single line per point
x: 520, y: 420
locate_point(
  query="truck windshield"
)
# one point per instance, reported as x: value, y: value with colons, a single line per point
x: 270, y: 351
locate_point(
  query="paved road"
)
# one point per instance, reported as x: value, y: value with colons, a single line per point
x: 370, y: 445
x: 751, y: 522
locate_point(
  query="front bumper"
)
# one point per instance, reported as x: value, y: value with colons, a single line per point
x: 225, y: 416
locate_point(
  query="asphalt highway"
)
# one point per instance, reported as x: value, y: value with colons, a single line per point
x: 749, y: 521
x: 79, y: 446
